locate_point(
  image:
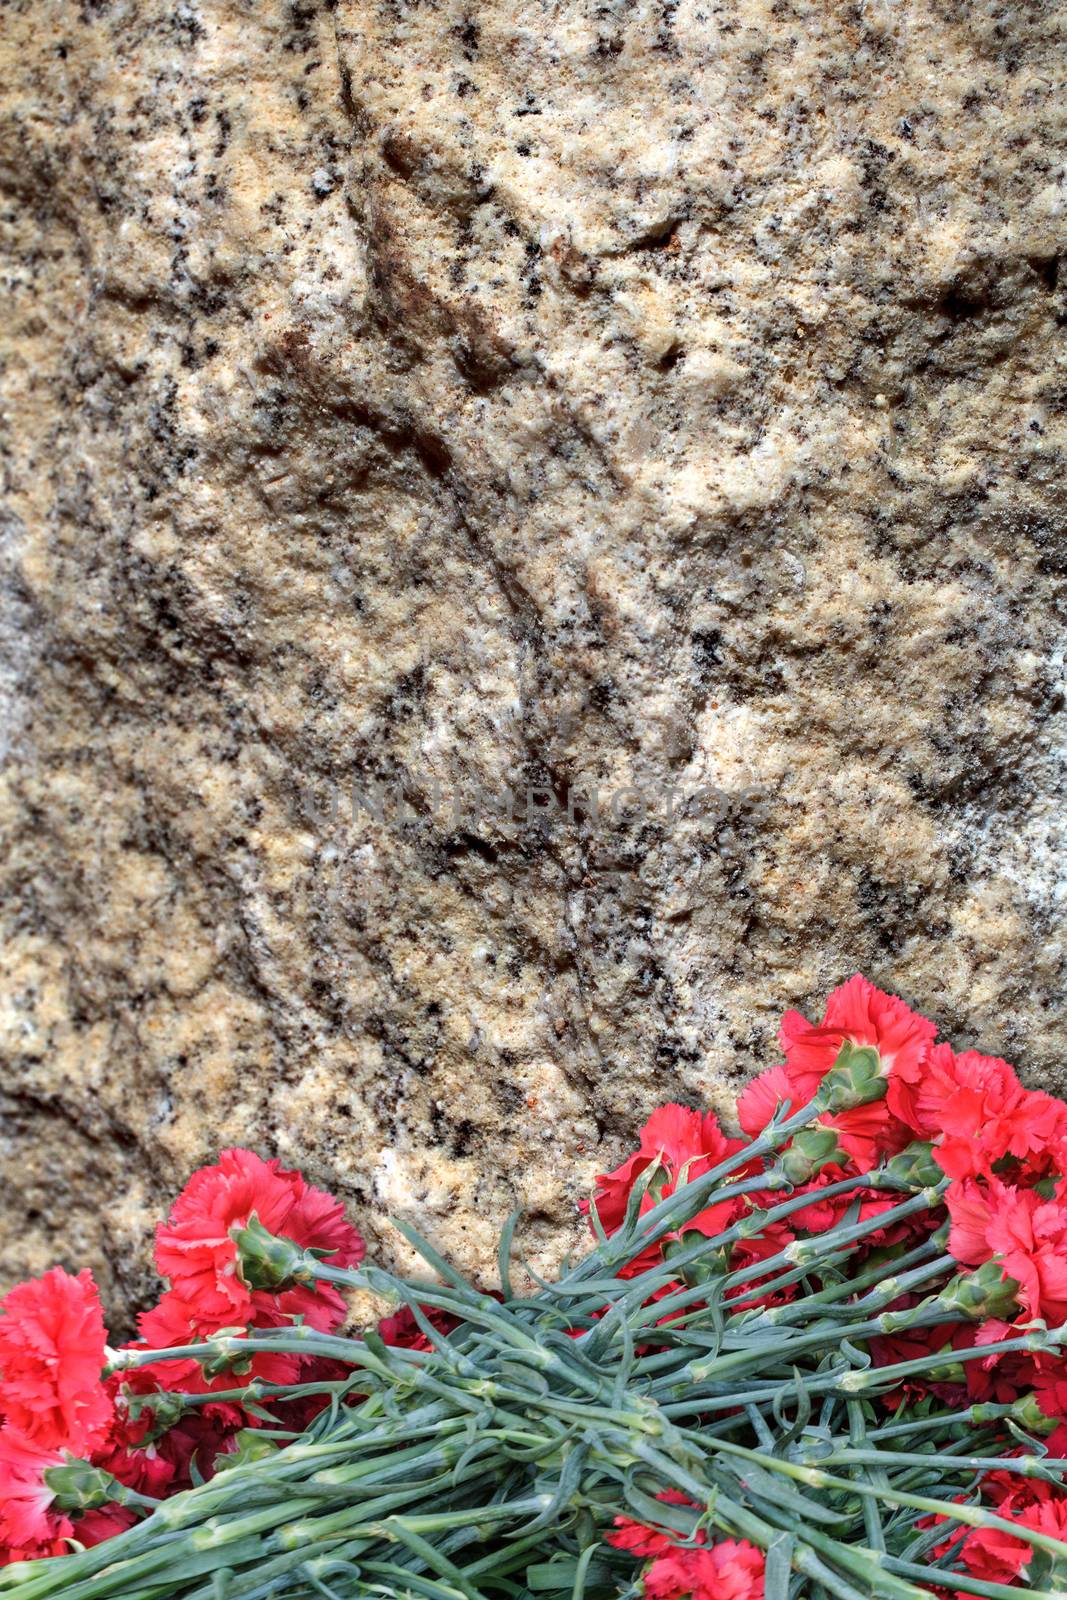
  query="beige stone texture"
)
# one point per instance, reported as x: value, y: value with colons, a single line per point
x: 425, y: 401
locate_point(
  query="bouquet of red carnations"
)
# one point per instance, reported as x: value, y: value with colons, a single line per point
x: 821, y: 1359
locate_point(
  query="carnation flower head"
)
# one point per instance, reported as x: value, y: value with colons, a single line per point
x: 971, y: 1204
x: 978, y: 1113
x: 1022, y: 1230
x: 856, y: 1013
x: 1003, y: 1376
x: 196, y: 1250
x: 52, y: 1342
x: 1029, y: 1235
x: 995, y: 1556
x: 730, y: 1570
x: 189, y: 1450
x: 30, y: 1526
x: 860, y: 1015
x: 93, y: 1527
x: 683, y: 1144
x: 1049, y: 1381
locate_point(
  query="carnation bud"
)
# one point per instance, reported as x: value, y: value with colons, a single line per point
x: 250, y: 1445
x: 980, y: 1294
x: 915, y: 1167
x: 229, y: 1357
x: 1029, y: 1415
x: 855, y: 1079
x: 951, y: 1372
x: 712, y: 1264
x: 77, y: 1486
x: 164, y: 1407
x: 1043, y: 1572
x: 268, y: 1260
x: 809, y: 1151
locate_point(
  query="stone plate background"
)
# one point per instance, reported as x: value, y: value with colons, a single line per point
x: 532, y: 540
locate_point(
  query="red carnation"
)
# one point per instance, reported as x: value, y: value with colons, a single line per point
x: 93, y: 1527
x: 730, y: 1570
x: 30, y: 1523
x: 1003, y: 1376
x: 1049, y: 1381
x: 971, y: 1205
x: 1025, y: 1232
x: 150, y: 1452
x: 859, y: 1014
x: 1029, y: 1235
x: 195, y: 1249
x: 51, y: 1357
x: 189, y: 1450
x: 684, y: 1144
x: 978, y: 1113
x: 761, y: 1098
x: 996, y: 1557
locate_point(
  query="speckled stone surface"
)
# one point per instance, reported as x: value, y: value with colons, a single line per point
x: 531, y: 542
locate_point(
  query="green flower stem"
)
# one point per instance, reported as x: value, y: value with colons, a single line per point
x: 970, y: 1585
x: 192, y: 1509
x: 1024, y: 1466
x: 702, y: 1371
x: 260, y: 1581
x: 484, y: 1313
x: 872, y: 1520
x: 259, y: 1389
x: 851, y: 1380
x: 798, y: 1257
x: 432, y: 1588
x: 212, y: 1535
x: 288, y: 1341
x: 517, y: 1549
x: 970, y: 1416
x: 697, y: 1251
x: 1043, y: 1342
x: 887, y: 1289
x: 956, y: 1580
x: 646, y: 1314
x: 863, y: 1564
x: 295, y: 1534
x: 926, y: 1259
x: 935, y: 1477
x: 746, y: 1323
x: 811, y: 1251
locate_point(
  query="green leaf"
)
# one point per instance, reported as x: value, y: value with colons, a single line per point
x: 503, y: 1254
x: 560, y: 1576
x: 779, y: 1567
